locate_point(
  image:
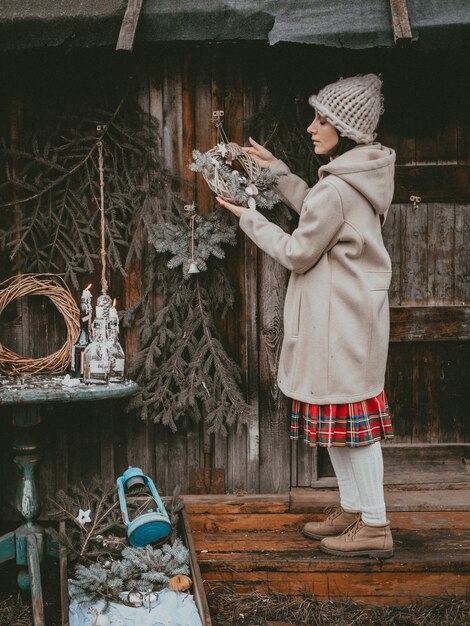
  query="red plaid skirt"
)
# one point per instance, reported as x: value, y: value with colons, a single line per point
x: 354, y: 424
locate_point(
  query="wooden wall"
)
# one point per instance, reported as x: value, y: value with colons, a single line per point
x: 427, y: 122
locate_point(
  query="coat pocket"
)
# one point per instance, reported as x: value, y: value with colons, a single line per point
x: 378, y: 281
x: 296, y: 312
x: 379, y: 320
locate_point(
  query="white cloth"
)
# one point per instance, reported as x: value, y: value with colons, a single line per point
x: 360, y: 474
x: 170, y: 609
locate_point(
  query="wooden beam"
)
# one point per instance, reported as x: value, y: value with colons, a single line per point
x: 129, y: 25
x: 433, y: 183
x: 401, y: 22
x: 430, y: 323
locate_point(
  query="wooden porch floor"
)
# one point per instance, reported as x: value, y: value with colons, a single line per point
x: 253, y: 542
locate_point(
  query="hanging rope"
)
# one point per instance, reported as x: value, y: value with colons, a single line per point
x: 217, y: 120
x: 104, y: 282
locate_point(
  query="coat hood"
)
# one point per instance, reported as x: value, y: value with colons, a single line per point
x: 370, y: 170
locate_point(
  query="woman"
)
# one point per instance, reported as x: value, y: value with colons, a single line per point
x: 336, y: 316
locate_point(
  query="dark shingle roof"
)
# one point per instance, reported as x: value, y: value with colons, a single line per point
x: 342, y: 23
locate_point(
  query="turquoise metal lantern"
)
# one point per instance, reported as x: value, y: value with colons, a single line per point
x: 149, y: 527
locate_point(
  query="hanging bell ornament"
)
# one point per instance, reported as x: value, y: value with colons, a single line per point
x: 193, y: 268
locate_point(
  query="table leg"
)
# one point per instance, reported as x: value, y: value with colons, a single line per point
x: 27, y: 544
x: 35, y: 576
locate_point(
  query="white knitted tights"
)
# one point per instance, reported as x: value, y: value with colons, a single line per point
x: 360, y: 474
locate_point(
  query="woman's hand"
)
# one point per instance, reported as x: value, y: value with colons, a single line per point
x: 260, y: 154
x: 233, y: 208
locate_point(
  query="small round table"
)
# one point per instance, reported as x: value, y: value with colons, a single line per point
x: 29, y: 543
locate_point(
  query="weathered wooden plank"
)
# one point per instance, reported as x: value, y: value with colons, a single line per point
x: 449, y: 362
x: 247, y: 503
x: 307, y: 464
x: 414, y: 255
x: 163, y: 466
x: 61, y: 452
x: 436, y: 499
x: 441, y: 253
x: 198, y: 585
x: 430, y: 323
x: 274, y: 406
x: 64, y: 588
x: 221, y: 523
x: 447, y: 137
x: 433, y: 586
x: 275, y: 416
x: 416, y: 551
x: 189, y: 131
x: 462, y: 253
x: 106, y: 430
x: 236, y: 318
x: 204, y: 131
x: 422, y: 395
x: 172, y: 122
x: 400, y: 22
x: 84, y: 451
x: 434, y: 183
x: 250, y: 267
x: 212, y: 98
x: 416, y: 465
x: 158, y: 441
x: 392, y: 240
x: 129, y: 25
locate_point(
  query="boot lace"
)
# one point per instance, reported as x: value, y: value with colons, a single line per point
x: 354, y: 528
x: 333, y: 511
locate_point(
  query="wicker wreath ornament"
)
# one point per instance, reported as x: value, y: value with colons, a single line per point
x: 233, y: 174
x: 57, y: 291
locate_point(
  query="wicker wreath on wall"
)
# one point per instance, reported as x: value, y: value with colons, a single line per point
x: 233, y: 174
x: 56, y: 290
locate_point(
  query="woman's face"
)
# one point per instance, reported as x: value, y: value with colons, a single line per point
x: 324, y: 135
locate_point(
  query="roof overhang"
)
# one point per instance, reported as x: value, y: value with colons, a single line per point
x: 338, y: 23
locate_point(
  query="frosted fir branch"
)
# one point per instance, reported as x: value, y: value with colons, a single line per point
x: 138, y: 569
x: 211, y: 233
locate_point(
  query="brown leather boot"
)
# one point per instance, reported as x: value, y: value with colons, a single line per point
x: 336, y: 522
x: 361, y: 540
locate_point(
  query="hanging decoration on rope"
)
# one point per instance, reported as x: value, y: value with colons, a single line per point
x: 190, y: 211
x: 103, y: 358
x: 233, y: 174
x: 192, y: 239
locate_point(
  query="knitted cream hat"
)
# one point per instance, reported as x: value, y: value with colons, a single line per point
x: 353, y: 105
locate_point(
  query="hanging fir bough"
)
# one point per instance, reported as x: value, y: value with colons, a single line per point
x: 53, y: 182
x: 182, y: 367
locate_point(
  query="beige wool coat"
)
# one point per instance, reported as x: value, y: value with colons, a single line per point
x: 336, y: 312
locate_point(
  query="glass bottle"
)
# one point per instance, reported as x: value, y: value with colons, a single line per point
x: 116, y: 353
x: 96, y: 356
x: 83, y: 340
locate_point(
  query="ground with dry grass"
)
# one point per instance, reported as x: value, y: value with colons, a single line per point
x: 230, y: 609
x: 264, y: 610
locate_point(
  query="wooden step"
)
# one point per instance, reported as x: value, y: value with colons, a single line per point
x: 213, y: 522
x: 254, y: 546
x: 305, y: 500
x: 431, y: 563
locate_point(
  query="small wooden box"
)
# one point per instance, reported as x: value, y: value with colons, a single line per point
x: 198, y: 592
